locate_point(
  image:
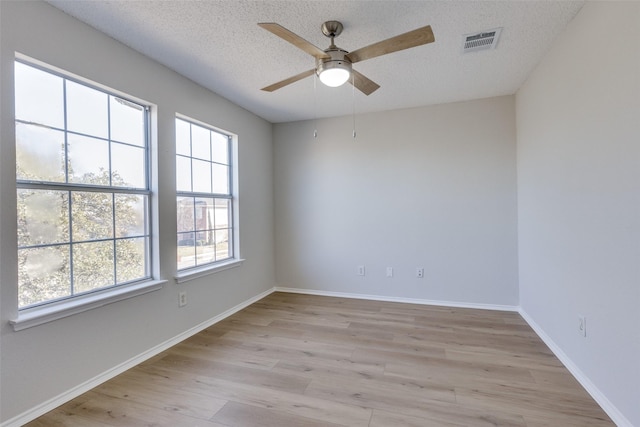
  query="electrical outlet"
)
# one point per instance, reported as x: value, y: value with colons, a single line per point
x: 389, y: 271
x: 419, y: 272
x: 361, y: 270
x: 582, y: 325
x: 182, y: 299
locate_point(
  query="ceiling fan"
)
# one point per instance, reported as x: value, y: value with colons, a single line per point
x: 333, y: 65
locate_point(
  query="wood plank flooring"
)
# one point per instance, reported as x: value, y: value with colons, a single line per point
x: 301, y: 360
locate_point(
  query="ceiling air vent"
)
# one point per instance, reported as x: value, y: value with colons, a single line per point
x: 484, y: 40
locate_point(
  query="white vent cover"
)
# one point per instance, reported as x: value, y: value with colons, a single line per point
x: 483, y: 40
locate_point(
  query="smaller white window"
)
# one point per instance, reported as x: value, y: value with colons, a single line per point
x: 204, y: 196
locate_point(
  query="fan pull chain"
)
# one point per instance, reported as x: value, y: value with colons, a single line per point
x: 353, y: 95
x: 315, y: 106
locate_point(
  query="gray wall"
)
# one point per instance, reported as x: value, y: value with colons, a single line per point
x: 578, y: 120
x: 431, y: 187
x: 42, y: 362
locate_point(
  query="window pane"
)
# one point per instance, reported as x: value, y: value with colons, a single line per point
x: 201, y: 176
x: 183, y: 173
x: 131, y: 259
x: 222, y: 213
x: 222, y: 244
x: 220, y: 148
x: 228, y: 243
x: 127, y: 166
x: 39, y: 153
x: 185, y: 214
x: 87, y: 110
x: 127, y: 121
x: 206, y: 250
x: 204, y: 213
x: 186, y: 250
x: 220, y: 179
x: 43, y: 217
x: 92, y: 266
x: 183, y: 138
x: 91, y: 215
x: 130, y: 215
x: 39, y: 96
x: 43, y: 274
x: 88, y: 160
x: 200, y: 142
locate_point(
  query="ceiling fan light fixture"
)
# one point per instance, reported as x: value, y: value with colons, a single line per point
x: 334, y: 65
x: 334, y: 73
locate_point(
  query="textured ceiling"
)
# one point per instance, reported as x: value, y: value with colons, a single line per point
x: 218, y: 45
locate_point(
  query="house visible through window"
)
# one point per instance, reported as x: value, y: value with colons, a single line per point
x: 82, y: 188
x: 204, y: 195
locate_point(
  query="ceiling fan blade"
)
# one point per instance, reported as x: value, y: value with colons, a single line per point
x: 408, y: 40
x: 294, y: 39
x: 363, y: 84
x: 288, y: 81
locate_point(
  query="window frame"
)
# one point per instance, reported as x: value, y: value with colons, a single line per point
x: 44, y: 311
x: 234, y: 259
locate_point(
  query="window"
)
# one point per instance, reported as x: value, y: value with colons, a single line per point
x: 204, y: 195
x: 82, y: 188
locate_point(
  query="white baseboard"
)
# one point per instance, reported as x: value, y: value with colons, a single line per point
x: 613, y: 412
x: 53, y: 403
x: 455, y: 304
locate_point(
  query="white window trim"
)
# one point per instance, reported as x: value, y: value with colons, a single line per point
x: 195, y: 273
x: 49, y: 312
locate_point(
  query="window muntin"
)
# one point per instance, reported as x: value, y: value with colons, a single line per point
x: 204, y: 195
x: 82, y: 188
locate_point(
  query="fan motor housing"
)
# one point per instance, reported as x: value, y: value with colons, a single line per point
x: 337, y: 60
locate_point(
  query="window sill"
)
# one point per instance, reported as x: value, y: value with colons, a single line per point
x: 48, y: 313
x: 196, y: 273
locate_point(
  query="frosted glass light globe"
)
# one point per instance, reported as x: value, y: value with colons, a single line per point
x: 334, y: 77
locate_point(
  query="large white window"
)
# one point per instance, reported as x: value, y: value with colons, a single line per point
x: 204, y: 195
x: 82, y: 178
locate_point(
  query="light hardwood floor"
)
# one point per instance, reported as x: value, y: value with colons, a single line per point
x: 300, y: 360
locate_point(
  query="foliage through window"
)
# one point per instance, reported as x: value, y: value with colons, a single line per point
x: 204, y: 202
x: 82, y: 188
